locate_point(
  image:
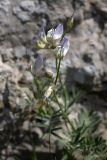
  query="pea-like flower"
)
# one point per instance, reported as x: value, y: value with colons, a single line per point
x: 40, y: 40
x: 63, y: 48
x: 52, y: 38
x: 55, y: 34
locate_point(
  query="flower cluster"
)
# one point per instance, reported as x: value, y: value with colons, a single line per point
x: 53, y: 40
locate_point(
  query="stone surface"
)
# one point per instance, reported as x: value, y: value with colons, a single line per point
x: 21, y: 15
x: 19, y: 52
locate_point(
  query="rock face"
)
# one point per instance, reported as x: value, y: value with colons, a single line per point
x: 20, y: 20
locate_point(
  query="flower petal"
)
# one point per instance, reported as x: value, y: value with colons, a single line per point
x: 50, y: 33
x: 58, y: 32
x: 65, y: 44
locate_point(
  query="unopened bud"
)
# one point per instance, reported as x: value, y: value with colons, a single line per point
x: 48, y: 92
x: 70, y: 23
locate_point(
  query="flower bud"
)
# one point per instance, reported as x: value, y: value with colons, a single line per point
x: 48, y: 92
x: 70, y: 23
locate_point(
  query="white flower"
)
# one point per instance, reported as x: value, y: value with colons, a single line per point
x: 63, y: 48
x: 58, y: 32
x: 55, y: 34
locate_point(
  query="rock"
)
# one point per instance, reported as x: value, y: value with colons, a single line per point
x: 26, y: 125
x: 6, y: 54
x: 37, y: 131
x: 105, y: 29
x: 27, y: 5
x: 83, y: 76
x: 101, y: 7
x: 19, y: 52
x: 4, y: 6
x: 21, y: 15
x: 26, y: 78
x: 5, y: 70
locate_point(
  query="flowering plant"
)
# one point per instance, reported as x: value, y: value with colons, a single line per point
x: 47, y: 120
x: 55, y: 41
x: 53, y: 104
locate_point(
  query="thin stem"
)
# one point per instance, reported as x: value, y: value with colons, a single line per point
x: 57, y: 101
x: 56, y: 63
x: 64, y: 92
x: 58, y: 67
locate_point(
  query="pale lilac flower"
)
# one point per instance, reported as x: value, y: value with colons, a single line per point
x: 50, y: 34
x: 63, y: 48
x: 58, y: 32
x: 55, y: 34
x: 65, y: 44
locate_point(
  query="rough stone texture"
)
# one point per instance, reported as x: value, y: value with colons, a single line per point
x: 87, y: 57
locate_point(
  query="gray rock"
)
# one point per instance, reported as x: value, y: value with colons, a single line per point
x: 19, y: 52
x: 84, y: 76
x: 6, y: 53
x: 5, y: 6
x: 26, y: 78
x: 101, y: 6
x: 27, y: 5
x: 21, y: 15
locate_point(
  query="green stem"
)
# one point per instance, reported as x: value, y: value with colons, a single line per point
x: 64, y: 92
x: 57, y: 68
x: 56, y: 63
